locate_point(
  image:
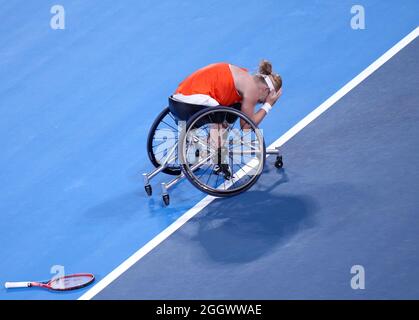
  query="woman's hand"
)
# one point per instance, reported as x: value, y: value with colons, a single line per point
x: 273, y: 96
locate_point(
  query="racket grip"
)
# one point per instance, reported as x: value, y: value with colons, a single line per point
x: 8, y: 285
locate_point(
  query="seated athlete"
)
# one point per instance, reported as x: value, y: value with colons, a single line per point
x: 223, y: 84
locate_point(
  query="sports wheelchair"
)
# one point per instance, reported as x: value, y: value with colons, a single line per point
x: 219, y: 149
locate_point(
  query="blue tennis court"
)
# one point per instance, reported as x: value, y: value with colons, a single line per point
x: 76, y: 106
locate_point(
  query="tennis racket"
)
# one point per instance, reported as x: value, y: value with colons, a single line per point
x: 64, y: 283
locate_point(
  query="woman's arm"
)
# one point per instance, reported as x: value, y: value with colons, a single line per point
x: 248, y: 108
x: 249, y: 104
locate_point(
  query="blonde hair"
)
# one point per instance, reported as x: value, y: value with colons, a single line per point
x: 265, y: 67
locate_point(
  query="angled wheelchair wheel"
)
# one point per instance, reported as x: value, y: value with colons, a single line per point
x: 232, y: 151
x: 162, y: 139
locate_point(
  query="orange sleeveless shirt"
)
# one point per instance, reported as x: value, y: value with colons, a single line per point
x: 214, y: 80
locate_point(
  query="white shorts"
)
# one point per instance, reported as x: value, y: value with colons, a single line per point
x: 199, y: 99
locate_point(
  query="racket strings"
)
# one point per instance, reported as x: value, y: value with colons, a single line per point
x: 71, y: 282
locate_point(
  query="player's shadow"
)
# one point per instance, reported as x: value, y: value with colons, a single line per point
x: 246, y: 227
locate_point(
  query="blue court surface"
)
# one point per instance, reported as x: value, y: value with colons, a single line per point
x: 76, y: 106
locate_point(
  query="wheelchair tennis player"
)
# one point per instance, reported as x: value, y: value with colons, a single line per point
x: 208, y: 133
x: 223, y: 84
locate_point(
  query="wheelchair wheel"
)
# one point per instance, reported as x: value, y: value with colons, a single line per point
x: 232, y: 151
x: 162, y: 137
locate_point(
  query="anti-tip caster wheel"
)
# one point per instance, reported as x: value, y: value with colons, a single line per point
x: 148, y: 190
x: 166, y: 199
x: 279, y: 163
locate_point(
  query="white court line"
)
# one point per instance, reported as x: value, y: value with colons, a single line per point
x: 348, y: 87
x: 284, y: 138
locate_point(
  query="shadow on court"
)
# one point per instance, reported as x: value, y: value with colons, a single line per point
x: 245, y: 228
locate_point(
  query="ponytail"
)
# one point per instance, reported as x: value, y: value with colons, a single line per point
x: 265, y: 68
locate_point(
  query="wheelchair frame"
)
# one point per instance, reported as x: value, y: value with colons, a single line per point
x: 171, y: 155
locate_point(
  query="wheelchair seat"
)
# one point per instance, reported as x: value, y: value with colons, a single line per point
x: 183, y: 111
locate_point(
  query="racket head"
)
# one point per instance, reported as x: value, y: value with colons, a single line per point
x: 71, y: 282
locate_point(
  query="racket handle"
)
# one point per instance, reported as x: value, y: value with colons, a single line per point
x: 8, y: 285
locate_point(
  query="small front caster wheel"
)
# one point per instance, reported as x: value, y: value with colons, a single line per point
x: 166, y: 199
x: 148, y: 190
x: 278, y: 163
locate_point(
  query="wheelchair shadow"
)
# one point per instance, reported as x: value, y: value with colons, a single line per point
x: 249, y: 226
